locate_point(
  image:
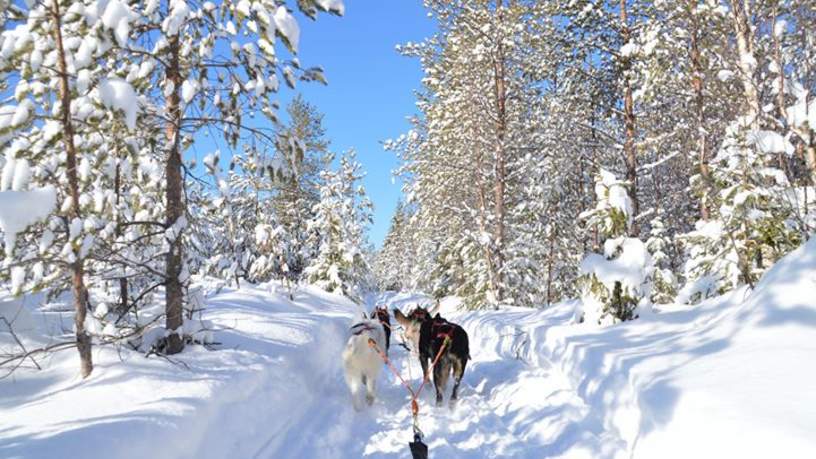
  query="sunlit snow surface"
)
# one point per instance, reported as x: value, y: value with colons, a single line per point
x: 732, y: 377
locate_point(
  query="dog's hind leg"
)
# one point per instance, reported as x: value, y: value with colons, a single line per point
x: 354, y: 387
x: 370, y: 384
x: 458, y: 371
x: 441, y: 372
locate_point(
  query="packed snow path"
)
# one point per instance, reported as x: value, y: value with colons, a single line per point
x: 274, y: 388
x: 508, y: 407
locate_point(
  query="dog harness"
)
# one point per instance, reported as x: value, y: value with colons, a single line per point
x: 441, y: 328
x: 358, y: 329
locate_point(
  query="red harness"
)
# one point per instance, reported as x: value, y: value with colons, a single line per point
x: 442, y: 329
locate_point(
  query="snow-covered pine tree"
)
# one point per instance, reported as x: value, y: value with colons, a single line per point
x: 393, y: 262
x: 339, y: 222
x: 686, y: 106
x: 212, y: 65
x: 68, y: 92
x: 296, y: 196
x: 752, y: 228
x: 756, y: 171
x: 238, y: 205
x: 605, y: 36
x: 463, y: 159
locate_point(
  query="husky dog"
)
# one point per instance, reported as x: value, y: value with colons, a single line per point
x: 362, y: 363
x: 428, y: 334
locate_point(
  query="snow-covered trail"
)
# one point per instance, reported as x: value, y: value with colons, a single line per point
x: 508, y: 407
x: 724, y: 378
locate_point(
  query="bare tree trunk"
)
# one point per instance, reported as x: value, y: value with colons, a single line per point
x: 747, y: 69
x: 810, y: 157
x: 551, y: 253
x: 499, y: 77
x: 123, y: 283
x: 174, y: 293
x: 77, y: 269
x: 780, y: 96
x: 594, y: 169
x: 697, y: 85
x: 491, y: 272
x: 747, y: 60
x: 629, y: 124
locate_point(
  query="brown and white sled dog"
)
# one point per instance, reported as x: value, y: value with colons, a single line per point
x: 428, y: 332
x: 362, y: 363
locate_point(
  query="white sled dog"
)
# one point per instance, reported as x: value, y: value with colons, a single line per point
x: 362, y: 363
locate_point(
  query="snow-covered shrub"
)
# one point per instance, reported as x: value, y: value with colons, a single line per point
x: 615, y: 283
x: 613, y: 212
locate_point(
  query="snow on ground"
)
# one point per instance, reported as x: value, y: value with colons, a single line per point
x: 728, y: 378
x: 228, y: 403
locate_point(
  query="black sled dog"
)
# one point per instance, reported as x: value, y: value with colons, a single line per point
x: 428, y: 334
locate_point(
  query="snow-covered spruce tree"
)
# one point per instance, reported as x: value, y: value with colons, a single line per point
x: 341, y: 217
x: 664, y: 282
x: 211, y: 65
x: 615, y: 283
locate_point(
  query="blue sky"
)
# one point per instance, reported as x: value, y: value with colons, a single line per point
x: 370, y: 91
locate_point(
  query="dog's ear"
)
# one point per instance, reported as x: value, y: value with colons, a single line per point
x: 435, y: 310
x: 401, y: 319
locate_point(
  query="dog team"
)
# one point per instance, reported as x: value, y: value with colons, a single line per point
x: 442, y: 347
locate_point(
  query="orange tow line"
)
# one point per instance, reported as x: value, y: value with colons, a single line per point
x: 414, y: 394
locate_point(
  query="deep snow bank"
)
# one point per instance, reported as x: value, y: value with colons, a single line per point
x: 732, y: 377
x: 231, y: 402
